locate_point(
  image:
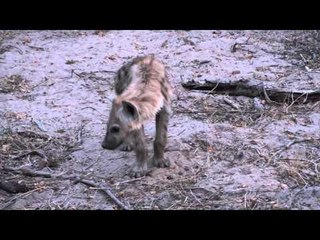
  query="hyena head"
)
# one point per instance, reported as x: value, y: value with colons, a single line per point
x: 123, y: 119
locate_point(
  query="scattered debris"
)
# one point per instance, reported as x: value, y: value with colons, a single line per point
x: 13, y: 83
x: 249, y: 140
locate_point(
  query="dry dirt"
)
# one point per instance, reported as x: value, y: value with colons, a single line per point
x: 226, y: 152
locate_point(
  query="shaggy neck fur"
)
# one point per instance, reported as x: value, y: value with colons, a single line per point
x: 144, y: 91
x: 147, y: 105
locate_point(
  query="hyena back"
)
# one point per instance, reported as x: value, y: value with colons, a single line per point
x: 143, y: 93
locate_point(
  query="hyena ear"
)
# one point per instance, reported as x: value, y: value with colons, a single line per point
x: 130, y: 110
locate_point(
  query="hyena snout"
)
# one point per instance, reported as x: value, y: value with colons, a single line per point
x: 110, y: 143
x: 114, y: 138
x: 105, y: 145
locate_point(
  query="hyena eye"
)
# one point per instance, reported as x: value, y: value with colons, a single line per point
x: 115, y: 129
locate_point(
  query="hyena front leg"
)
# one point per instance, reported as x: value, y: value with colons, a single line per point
x: 160, y: 141
x: 139, y: 169
x: 128, y: 145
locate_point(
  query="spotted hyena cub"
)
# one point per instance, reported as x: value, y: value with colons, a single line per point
x: 143, y: 93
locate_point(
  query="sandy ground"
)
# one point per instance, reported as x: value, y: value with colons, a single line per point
x: 55, y: 94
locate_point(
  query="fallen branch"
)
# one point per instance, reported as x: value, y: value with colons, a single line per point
x: 32, y: 173
x: 106, y: 191
x: 13, y: 199
x: 254, y: 88
x: 13, y: 186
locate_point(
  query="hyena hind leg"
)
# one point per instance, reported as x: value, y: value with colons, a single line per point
x: 160, y: 141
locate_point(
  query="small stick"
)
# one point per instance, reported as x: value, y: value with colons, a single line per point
x: 232, y: 104
x: 245, y: 200
x: 73, y: 72
x: 304, y: 60
x: 106, y: 191
x: 267, y: 97
x: 36, y: 48
x: 181, y: 132
x: 289, y: 145
x: 196, y: 198
x: 212, y: 90
x: 295, y: 100
x: 130, y: 180
x: 19, y: 50
x: 172, y: 205
x: 106, y: 71
x: 80, y: 133
x: 28, y: 172
x: 34, y: 152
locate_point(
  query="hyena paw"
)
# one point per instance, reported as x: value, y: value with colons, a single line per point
x: 161, y: 162
x: 126, y: 148
x: 138, y: 171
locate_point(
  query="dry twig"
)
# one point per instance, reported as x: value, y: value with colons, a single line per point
x: 106, y: 191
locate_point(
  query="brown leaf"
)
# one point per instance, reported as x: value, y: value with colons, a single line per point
x: 5, y: 148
